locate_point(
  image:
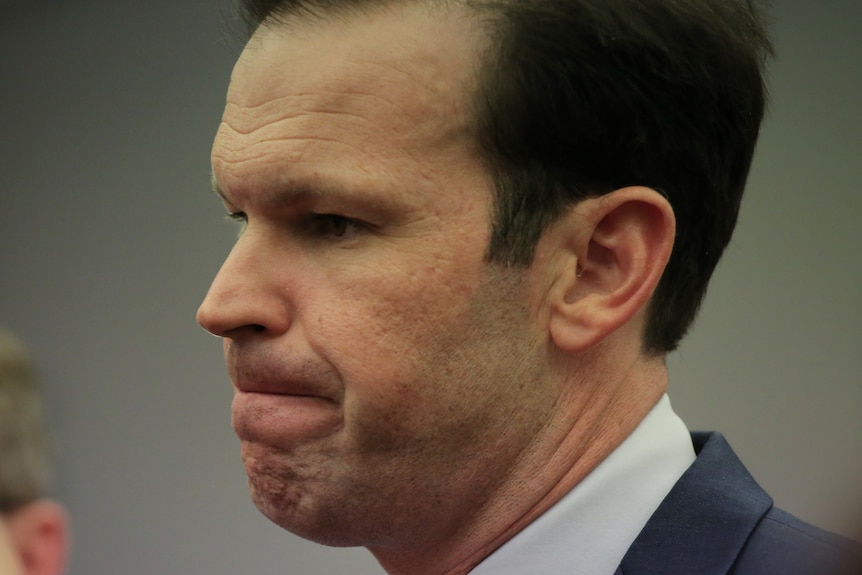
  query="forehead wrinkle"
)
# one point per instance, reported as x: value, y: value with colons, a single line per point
x: 308, y: 106
x: 403, y: 105
x: 287, y: 161
x: 274, y: 168
x: 413, y: 130
x: 306, y: 125
x: 289, y: 136
x: 247, y: 120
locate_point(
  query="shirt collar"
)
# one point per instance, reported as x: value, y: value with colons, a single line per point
x: 590, y: 529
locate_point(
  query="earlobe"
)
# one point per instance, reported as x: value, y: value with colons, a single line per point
x: 617, y: 247
x: 40, y: 534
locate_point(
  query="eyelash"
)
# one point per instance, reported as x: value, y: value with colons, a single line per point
x: 319, y: 224
x: 343, y: 226
x: 238, y: 217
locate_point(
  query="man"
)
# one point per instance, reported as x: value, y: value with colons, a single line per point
x: 472, y: 231
x: 33, y: 530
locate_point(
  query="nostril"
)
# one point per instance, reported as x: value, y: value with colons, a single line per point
x: 244, y: 331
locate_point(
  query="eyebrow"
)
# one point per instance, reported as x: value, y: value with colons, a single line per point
x: 290, y: 195
x: 298, y: 194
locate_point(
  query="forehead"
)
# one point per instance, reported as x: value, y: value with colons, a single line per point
x: 425, y: 47
x: 395, y: 81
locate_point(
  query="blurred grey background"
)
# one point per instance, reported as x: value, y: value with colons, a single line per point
x: 109, y: 237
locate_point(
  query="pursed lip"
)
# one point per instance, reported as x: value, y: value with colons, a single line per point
x: 285, y: 386
x: 283, y: 420
x: 282, y: 398
x: 253, y: 374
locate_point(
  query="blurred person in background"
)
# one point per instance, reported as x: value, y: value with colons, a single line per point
x: 34, y: 532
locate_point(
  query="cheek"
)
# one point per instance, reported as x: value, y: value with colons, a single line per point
x: 385, y: 337
x: 382, y: 319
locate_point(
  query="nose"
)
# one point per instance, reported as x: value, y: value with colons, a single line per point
x: 245, y: 297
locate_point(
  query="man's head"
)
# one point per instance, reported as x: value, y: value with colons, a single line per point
x: 33, y: 534
x: 577, y: 98
x: 424, y: 351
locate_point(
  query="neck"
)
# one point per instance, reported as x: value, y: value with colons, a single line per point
x: 591, y: 419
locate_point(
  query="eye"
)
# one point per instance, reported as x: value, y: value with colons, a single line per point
x: 335, y: 226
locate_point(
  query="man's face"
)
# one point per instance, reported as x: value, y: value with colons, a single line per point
x: 386, y: 377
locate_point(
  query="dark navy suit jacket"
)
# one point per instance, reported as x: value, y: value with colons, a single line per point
x: 718, y: 521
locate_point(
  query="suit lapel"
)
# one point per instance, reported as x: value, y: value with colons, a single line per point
x: 705, y: 520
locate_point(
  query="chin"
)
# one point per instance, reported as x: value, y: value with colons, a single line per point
x: 299, y: 514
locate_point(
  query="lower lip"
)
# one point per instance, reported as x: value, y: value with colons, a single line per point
x: 278, y: 419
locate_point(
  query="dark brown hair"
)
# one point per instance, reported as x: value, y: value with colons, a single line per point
x: 581, y: 97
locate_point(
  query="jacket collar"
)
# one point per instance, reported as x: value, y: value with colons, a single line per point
x: 705, y: 520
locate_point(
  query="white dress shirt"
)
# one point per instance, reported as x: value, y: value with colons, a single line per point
x: 589, y: 530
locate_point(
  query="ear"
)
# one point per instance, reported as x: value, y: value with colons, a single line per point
x: 615, y: 248
x: 40, y: 533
